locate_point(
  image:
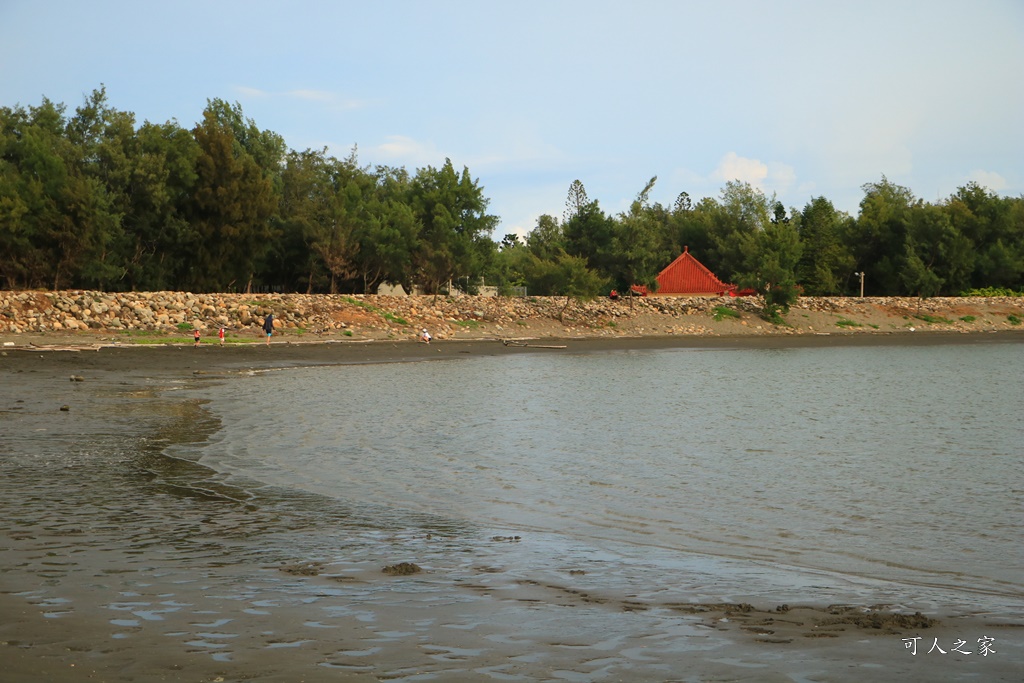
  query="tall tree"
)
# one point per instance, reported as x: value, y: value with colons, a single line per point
x: 33, y: 177
x: 771, y: 257
x: 547, y: 240
x: 935, y: 247
x: 156, y: 221
x: 826, y: 262
x: 880, y: 237
x: 455, y: 234
x: 389, y: 236
x: 638, y: 249
x: 230, y: 212
x: 590, y: 234
x: 576, y: 201
x: 742, y: 212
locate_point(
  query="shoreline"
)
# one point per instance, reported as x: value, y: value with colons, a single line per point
x: 80, y: 359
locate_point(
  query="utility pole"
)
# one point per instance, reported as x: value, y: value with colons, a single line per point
x: 861, y: 275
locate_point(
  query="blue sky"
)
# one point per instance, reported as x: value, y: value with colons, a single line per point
x: 801, y: 99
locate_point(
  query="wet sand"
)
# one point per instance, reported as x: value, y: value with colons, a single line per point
x: 115, y: 565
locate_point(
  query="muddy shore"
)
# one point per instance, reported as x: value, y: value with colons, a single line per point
x: 117, y: 566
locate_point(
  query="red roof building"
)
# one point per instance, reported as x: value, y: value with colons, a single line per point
x: 687, y: 275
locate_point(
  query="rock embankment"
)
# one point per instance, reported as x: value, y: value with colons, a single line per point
x: 382, y: 317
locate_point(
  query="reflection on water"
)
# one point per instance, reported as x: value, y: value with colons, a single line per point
x: 854, y: 472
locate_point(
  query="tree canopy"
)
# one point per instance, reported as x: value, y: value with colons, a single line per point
x: 91, y: 199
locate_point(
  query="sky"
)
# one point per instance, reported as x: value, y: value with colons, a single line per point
x: 801, y: 99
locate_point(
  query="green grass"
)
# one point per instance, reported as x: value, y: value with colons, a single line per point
x: 390, y: 317
x: 468, y: 324
x: 184, y: 327
x: 347, y: 333
x: 723, y: 312
x: 1013, y: 320
x: 968, y: 318
x: 774, y: 317
x: 844, y: 322
x: 933, y: 319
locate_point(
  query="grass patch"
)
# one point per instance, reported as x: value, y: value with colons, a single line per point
x: 723, y: 312
x: 845, y: 322
x: 347, y: 333
x: 968, y: 318
x: 390, y: 317
x: 774, y: 317
x: 468, y: 324
x: 611, y: 324
x: 934, y: 319
x: 184, y: 327
x: 1013, y: 319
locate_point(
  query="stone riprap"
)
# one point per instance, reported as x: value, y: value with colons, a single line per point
x: 381, y: 317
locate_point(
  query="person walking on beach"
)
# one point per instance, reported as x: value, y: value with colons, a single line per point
x: 268, y: 327
x: 221, y: 336
x: 196, y: 335
x: 425, y: 336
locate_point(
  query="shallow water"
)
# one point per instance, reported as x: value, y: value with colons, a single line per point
x: 862, y: 475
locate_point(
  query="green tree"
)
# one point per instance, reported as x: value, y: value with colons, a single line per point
x: 509, y: 267
x: 639, y: 254
x: 941, y: 247
x: 995, y: 225
x: 879, y: 240
x: 454, y: 239
x: 916, y: 275
x: 546, y: 241
x: 742, y: 213
x: 163, y: 176
x: 230, y: 212
x: 33, y: 176
x: 587, y: 231
x: 389, y: 237
x: 771, y: 257
x: 826, y: 262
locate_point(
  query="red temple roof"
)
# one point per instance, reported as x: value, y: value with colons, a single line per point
x: 687, y: 275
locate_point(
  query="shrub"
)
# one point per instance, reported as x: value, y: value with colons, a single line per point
x: 932, y: 319
x: 722, y: 312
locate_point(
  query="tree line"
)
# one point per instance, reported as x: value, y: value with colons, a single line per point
x: 92, y: 200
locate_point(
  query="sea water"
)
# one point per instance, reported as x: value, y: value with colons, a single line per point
x: 848, y: 474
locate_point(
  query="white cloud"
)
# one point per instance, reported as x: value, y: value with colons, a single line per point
x: 734, y: 167
x: 988, y: 179
x: 405, y: 151
x: 331, y: 99
x: 250, y: 92
x: 767, y: 177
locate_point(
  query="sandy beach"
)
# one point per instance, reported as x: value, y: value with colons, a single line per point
x: 95, y: 585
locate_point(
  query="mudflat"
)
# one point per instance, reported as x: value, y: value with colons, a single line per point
x: 115, y: 566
